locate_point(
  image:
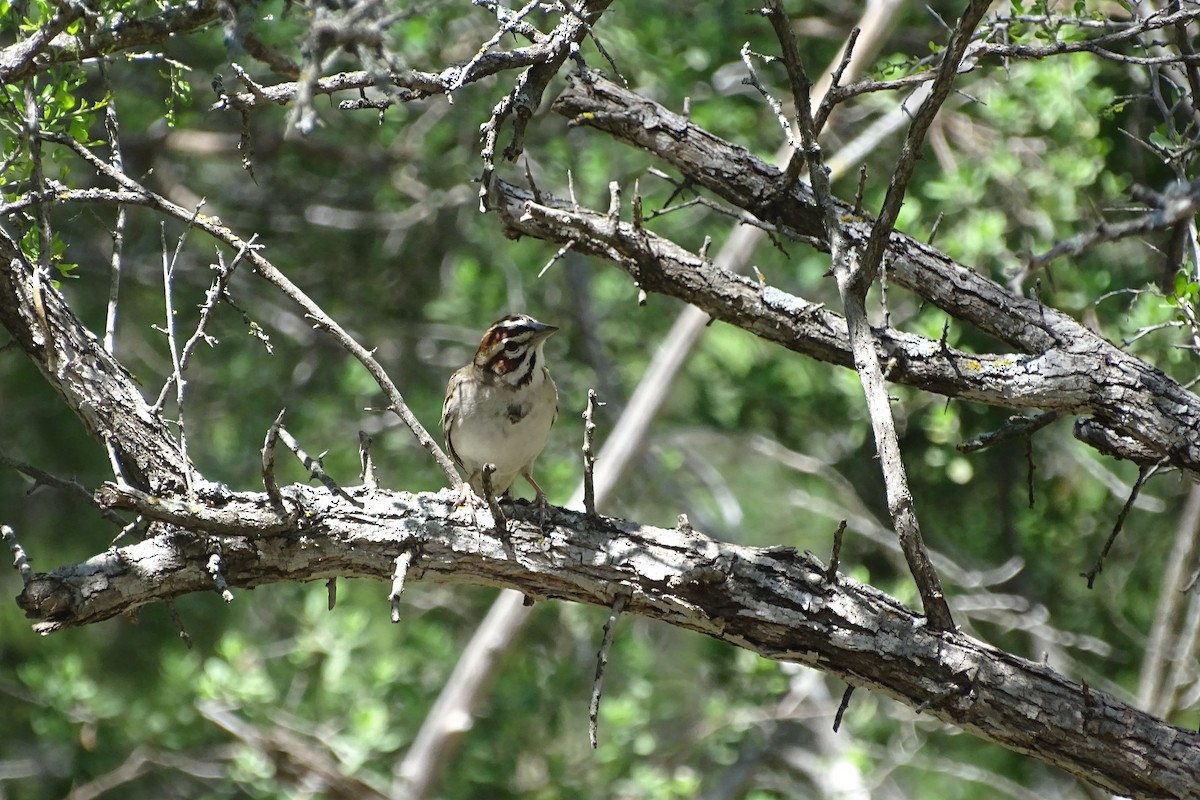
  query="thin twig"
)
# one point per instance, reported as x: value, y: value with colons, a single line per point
x: 610, y: 625
x: 219, y: 290
x: 842, y: 706
x: 177, y: 620
x: 776, y: 105
x: 831, y: 98
x: 1030, y: 468
x: 562, y: 251
x: 365, y: 462
x: 268, y: 464
x: 589, y: 457
x: 1144, y: 475
x: 910, y: 151
x: 1013, y: 428
x: 403, y: 561
x: 314, y: 466
x: 20, y: 560
x: 835, y: 557
x: 498, y: 518
x: 43, y: 478
x: 112, y: 129
x: 177, y: 370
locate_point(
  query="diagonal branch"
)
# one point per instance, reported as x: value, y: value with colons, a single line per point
x: 849, y: 268
x: 910, y: 151
x: 90, y: 380
x: 134, y: 193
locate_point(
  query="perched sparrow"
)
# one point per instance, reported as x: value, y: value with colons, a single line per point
x: 499, y: 408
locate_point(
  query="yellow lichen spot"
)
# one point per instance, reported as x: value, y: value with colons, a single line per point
x: 974, y: 365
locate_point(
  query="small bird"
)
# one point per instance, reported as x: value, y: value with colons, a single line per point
x: 500, y: 407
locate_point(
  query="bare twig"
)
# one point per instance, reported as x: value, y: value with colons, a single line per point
x: 835, y: 557
x: 268, y: 465
x: 403, y: 562
x: 219, y: 290
x: 177, y: 621
x: 562, y: 251
x: 501, y: 522
x: 1144, y: 474
x: 20, y: 560
x: 43, y: 478
x: 776, y: 106
x: 848, y: 270
x: 842, y: 706
x: 610, y: 626
x: 1030, y: 468
x: 112, y: 129
x: 366, y: 463
x: 1013, y: 428
x: 589, y: 457
x: 825, y: 109
x: 177, y: 369
x: 313, y: 465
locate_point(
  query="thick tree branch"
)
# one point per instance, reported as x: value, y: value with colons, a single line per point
x: 773, y: 601
x: 541, y: 59
x: 90, y: 380
x: 18, y: 63
x: 1123, y: 394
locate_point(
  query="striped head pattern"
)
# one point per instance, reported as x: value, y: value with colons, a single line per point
x: 511, y: 349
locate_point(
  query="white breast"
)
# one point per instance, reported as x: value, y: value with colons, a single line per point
x: 505, y: 426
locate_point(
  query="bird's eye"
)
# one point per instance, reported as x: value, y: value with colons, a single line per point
x: 512, y: 346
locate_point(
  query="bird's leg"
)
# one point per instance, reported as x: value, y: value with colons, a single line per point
x: 466, y: 495
x: 542, y: 504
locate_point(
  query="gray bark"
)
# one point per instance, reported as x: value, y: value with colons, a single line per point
x: 1128, y: 408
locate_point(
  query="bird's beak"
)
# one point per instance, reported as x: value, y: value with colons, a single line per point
x: 542, y: 331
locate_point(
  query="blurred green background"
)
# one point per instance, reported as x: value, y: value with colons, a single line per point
x: 376, y: 218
